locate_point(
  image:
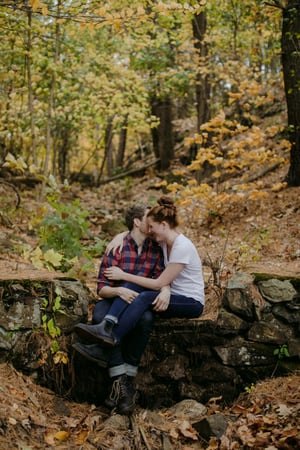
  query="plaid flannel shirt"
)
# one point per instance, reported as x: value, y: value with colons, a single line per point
x: 149, y: 263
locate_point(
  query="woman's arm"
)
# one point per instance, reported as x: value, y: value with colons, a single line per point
x: 168, y: 275
x: 116, y: 243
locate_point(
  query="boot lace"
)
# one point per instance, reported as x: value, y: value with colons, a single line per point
x: 118, y: 390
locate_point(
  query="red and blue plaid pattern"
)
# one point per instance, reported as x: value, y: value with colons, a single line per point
x: 148, y: 263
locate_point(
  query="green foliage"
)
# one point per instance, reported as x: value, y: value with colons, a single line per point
x: 51, y: 308
x: 250, y: 389
x: 61, y: 234
x: 282, y: 352
x: 63, y: 229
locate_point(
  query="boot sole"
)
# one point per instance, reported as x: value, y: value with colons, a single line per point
x: 100, y: 362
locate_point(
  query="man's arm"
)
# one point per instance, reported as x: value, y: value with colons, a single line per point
x: 128, y: 295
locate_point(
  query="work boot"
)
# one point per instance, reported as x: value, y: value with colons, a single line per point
x: 101, y: 333
x: 127, y: 400
x: 122, y: 395
x: 93, y: 352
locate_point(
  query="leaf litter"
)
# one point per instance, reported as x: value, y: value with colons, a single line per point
x: 33, y: 417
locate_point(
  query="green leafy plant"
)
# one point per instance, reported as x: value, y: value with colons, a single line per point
x: 61, y: 233
x: 281, y: 353
x: 62, y: 229
x: 250, y: 389
x: 49, y: 319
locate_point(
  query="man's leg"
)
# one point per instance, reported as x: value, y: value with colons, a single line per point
x: 133, y: 347
x: 102, y: 332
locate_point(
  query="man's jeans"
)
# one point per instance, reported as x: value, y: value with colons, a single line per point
x: 132, y: 347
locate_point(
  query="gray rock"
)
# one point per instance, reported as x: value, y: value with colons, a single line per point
x: 277, y: 291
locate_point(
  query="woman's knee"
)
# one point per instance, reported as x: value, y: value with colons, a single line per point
x: 146, y: 321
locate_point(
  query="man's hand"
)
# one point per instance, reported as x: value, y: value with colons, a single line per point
x: 114, y: 273
x: 128, y: 295
x: 162, y: 301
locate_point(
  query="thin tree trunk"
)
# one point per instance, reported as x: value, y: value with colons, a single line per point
x: 51, y: 98
x: 109, y: 147
x: 163, y: 138
x: 290, y: 45
x: 30, y: 93
x: 122, y: 144
x: 202, y: 83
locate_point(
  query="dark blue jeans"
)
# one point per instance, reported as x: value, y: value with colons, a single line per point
x: 179, y: 306
x: 132, y: 347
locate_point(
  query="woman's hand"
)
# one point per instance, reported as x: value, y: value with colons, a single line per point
x: 162, y: 301
x: 128, y: 295
x: 114, y: 273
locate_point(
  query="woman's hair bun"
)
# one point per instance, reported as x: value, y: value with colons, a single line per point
x: 165, y: 201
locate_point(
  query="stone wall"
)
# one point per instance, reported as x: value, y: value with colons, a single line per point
x: 200, y: 359
x: 196, y: 359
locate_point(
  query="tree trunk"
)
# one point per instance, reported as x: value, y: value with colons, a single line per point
x: 122, y: 144
x: 290, y: 45
x: 51, y: 98
x: 109, y: 147
x: 163, y: 142
x: 30, y: 93
x: 202, y: 83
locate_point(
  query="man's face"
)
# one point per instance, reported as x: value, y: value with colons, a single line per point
x: 144, y: 223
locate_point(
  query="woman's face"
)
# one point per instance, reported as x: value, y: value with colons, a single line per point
x: 156, y: 230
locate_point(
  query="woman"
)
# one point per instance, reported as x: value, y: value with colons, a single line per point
x: 183, y: 273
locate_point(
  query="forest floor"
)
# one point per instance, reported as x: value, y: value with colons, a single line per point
x: 261, y: 233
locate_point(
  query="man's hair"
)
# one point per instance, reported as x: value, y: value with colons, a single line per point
x: 135, y: 212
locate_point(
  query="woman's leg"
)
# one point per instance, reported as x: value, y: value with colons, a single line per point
x: 180, y: 306
x: 133, y: 313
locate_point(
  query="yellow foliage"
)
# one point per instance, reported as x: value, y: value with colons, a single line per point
x: 255, y: 195
x: 161, y: 184
x: 62, y: 435
x: 35, y: 4
x: 174, y: 187
x: 179, y: 172
x: 278, y: 187
x: 217, y: 174
x: 273, y: 130
x: 60, y: 357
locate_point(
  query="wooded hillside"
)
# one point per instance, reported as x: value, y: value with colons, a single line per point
x: 89, y: 91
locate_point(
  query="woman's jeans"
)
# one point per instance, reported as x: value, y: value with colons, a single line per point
x: 129, y: 314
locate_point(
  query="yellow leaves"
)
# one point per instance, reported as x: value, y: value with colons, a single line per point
x: 52, y: 436
x: 35, y: 4
x: 60, y: 357
x: 161, y: 184
x: 273, y: 130
x: 54, y: 258
x: 257, y: 195
x: 278, y: 187
x: 15, y: 164
x: 174, y: 187
x: 233, y: 97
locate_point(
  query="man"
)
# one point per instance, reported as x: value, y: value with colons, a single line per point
x: 141, y: 256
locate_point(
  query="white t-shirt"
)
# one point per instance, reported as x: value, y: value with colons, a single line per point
x: 190, y: 281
